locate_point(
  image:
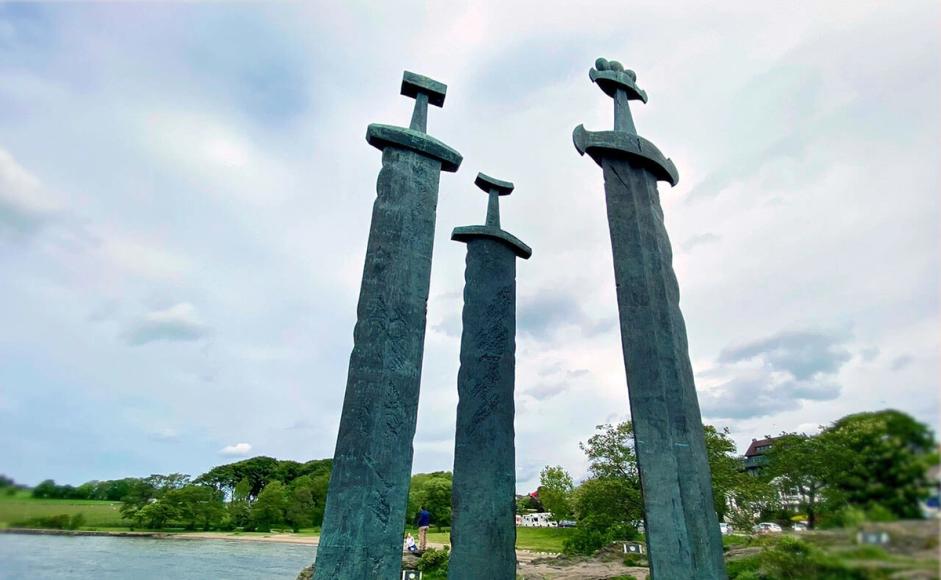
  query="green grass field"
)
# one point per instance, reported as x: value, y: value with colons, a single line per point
x: 98, y: 514
x: 106, y: 515
x: 536, y: 539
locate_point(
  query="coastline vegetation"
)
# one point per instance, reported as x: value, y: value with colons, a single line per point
x: 862, y: 470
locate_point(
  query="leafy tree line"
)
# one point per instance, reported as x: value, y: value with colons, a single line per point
x: 8, y: 486
x: 863, y: 466
x: 111, y: 490
x: 869, y: 465
x: 254, y: 494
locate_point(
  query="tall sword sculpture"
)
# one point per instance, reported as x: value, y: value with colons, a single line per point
x: 483, y: 527
x: 368, y: 493
x: 683, y: 538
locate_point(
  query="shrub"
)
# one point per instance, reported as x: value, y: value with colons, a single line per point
x: 434, y: 563
x: 583, y: 540
x: 592, y: 535
x: 76, y: 521
x: 880, y: 513
x: 59, y: 522
x: 635, y: 560
x: 847, y: 517
x: 793, y: 559
x: 866, y: 553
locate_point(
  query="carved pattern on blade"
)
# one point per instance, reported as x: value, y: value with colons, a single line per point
x: 682, y: 528
x: 483, y: 531
x: 368, y: 491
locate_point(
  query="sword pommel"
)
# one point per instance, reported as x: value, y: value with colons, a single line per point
x: 611, y: 76
x: 426, y: 92
x: 489, y: 184
x: 494, y: 188
x: 415, y: 84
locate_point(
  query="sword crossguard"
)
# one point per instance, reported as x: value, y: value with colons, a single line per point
x: 494, y: 188
x: 492, y: 230
x: 619, y: 84
x: 426, y: 92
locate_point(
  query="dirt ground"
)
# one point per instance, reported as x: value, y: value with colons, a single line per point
x: 534, y: 566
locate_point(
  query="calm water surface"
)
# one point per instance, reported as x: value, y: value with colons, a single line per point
x: 103, y: 558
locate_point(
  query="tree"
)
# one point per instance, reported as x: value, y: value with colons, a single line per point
x: 318, y: 491
x: 433, y: 491
x: 608, y: 504
x: 802, y: 464
x: 196, y: 504
x: 140, y: 493
x: 603, y: 502
x: 258, y: 470
x: 611, y: 452
x: 46, y: 490
x: 555, y: 490
x: 724, y: 466
x: 165, y: 483
x: 737, y: 496
x: 300, y: 503
x: 270, y: 506
x: 239, y: 509
x: 157, y: 513
x: 529, y: 503
x: 883, y: 458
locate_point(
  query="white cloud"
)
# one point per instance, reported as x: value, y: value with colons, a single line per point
x: 237, y: 450
x: 236, y: 175
x: 774, y: 374
x: 179, y: 322
x: 24, y: 206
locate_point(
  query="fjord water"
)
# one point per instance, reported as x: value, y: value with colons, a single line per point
x: 108, y: 558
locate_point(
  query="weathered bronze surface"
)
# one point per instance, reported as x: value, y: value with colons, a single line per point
x: 483, y: 528
x: 366, y: 501
x: 682, y: 530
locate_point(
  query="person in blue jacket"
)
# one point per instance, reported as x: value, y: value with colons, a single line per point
x: 423, y: 520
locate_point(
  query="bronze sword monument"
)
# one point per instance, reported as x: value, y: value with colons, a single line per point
x: 683, y: 538
x: 366, y: 500
x: 483, y: 527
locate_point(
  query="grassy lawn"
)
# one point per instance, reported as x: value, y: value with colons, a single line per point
x: 98, y: 514
x: 536, y: 539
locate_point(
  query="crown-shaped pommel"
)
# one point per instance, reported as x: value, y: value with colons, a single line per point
x: 611, y: 76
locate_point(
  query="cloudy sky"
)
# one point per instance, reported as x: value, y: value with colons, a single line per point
x: 185, y: 193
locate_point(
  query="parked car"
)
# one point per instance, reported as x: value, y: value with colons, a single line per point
x: 725, y: 528
x: 567, y: 524
x: 800, y: 527
x: 767, y: 528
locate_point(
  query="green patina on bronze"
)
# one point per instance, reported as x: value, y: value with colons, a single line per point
x: 683, y: 538
x: 366, y: 501
x: 483, y: 528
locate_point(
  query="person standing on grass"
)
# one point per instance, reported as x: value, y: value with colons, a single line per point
x: 423, y: 520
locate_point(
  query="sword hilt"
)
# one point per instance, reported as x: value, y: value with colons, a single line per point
x: 494, y: 188
x: 620, y: 85
x: 426, y: 92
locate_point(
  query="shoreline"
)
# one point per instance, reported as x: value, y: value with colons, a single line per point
x: 225, y: 536
x: 274, y: 537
